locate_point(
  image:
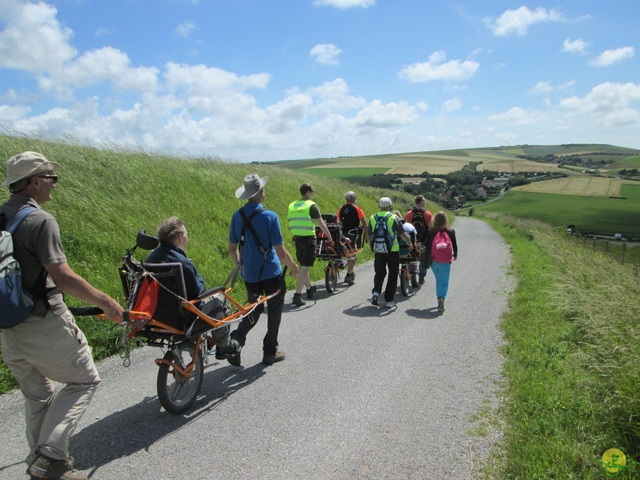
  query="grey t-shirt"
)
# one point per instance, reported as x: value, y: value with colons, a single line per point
x: 36, y: 242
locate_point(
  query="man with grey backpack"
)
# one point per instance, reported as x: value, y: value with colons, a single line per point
x: 48, y: 346
x: 382, y: 233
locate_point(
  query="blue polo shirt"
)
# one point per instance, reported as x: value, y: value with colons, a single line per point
x: 267, y: 225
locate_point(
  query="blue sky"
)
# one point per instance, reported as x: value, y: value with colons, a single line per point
x: 249, y: 80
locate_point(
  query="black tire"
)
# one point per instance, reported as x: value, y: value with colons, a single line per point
x: 331, y: 277
x: 414, y: 278
x: 404, y: 281
x: 175, y: 392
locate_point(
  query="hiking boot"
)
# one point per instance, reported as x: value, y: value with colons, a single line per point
x: 374, y: 299
x: 45, y: 468
x: 297, y: 300
x: 441, y: 304
x: 311, y: 291
x: 349, y: 279
x: 223, y: 353
x: 273, y: 358
x: 390, y: 304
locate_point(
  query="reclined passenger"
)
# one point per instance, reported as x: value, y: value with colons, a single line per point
x: 173, y: 237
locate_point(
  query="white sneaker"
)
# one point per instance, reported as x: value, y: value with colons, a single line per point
x: 390, y: 304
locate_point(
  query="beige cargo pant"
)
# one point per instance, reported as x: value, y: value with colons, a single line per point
x: 43, y: 351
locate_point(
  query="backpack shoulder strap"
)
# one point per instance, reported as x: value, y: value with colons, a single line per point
x: 247, y: 224
x: 16, y: 220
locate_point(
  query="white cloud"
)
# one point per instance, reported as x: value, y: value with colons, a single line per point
x: 104, y: 64
x: 379, y: 115
x: 334, y: 96
x: 518, y: 116
x: 184, y: 29
x: 609, y: 57
x: 451, y: 105
x: 11, y: 114
x: 575, y: 46
x: 342, y: 4
x: 325, y: 54
x: 542, y: 88
x: 518, y: 21
x: 33, y: 39
x: 610, y: 104
x: 437, y: 69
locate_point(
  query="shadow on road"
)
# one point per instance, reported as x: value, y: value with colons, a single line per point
x: 429, y: 313
x: 136, y: 428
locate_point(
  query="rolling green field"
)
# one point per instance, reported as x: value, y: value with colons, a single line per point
x: 589, y: 214
x: 344, y: 172
x: 501, y: 159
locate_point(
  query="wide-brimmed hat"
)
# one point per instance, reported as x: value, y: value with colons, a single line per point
x: 27, y: 164
x: 384, y: 202
x: 252, y: 185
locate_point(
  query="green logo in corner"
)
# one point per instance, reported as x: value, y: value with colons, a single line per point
x: 614, y: 461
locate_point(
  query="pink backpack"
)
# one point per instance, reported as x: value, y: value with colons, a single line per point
x: 441, y: 248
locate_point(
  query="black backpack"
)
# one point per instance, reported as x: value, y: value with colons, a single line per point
x: 418, y: 222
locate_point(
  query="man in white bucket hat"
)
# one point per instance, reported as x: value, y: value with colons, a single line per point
x: 256, y: 243
x: 48, y: 346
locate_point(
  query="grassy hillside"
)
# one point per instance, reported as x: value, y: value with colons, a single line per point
x: 572, y: 358
x: 105, y: 196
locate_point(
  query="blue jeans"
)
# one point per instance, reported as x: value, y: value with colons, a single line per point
x: 441, y: 272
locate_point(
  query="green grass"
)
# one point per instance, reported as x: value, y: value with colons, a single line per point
x: 588, y: 214
x: 106, y: 195
x: 571, y: 358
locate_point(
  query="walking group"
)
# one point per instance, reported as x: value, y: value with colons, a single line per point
x: 49, y: 347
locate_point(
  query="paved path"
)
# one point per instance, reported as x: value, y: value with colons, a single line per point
x: 365, y: 393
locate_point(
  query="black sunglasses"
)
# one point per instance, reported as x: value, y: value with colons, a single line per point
x: 53, y: 178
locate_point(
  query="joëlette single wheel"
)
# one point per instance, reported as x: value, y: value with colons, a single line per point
x: 175, y: 391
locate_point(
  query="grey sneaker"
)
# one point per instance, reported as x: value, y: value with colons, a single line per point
x: 311, y: 291
x: 297, y: 300
x: 45, y: 468
x: 273, y: 358
x: 390, y: 304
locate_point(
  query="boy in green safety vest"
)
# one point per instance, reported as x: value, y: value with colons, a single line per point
x: 303, y: 216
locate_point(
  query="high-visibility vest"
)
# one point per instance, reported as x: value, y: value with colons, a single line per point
x: 300, y: 222
x: 395, y: 246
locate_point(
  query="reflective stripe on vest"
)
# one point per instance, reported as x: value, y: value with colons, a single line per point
x: 300, y: 222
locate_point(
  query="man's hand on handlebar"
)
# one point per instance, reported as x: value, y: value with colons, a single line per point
x: 112, y: 309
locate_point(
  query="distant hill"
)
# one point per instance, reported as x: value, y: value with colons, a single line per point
x: 517, y: 158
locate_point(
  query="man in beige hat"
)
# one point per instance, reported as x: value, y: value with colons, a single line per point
x: 256, y: 244
x: 48, y: 346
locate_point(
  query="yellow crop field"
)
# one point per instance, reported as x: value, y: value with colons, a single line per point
x: 584, y: 186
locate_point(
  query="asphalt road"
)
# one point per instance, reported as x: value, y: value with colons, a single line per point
x: 365, y: 393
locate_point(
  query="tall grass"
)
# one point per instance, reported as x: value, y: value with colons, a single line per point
x: 572, y: 357
x: 106, y: 195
